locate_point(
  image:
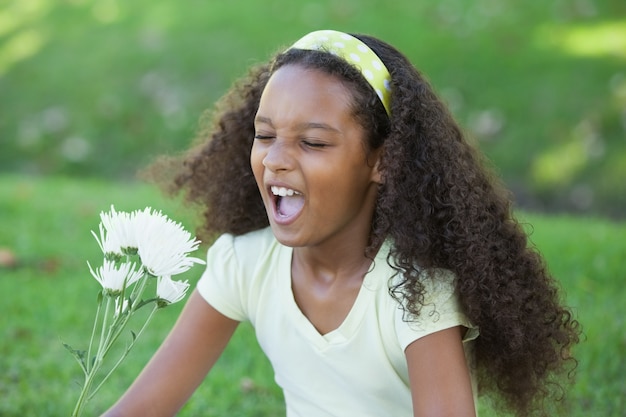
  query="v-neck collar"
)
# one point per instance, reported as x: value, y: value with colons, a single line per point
x: 348, y: 327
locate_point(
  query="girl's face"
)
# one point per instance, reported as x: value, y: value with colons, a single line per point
x: 309, y: 159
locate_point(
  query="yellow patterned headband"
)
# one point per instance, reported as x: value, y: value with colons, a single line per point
x: 356, y: 53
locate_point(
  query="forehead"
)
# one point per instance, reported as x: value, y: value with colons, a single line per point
x: 294, y: 87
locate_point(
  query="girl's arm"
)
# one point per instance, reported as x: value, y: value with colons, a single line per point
x: 439, y: 375
x: 181, y: 363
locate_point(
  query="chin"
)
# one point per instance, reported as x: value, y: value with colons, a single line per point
x: 291, y: 239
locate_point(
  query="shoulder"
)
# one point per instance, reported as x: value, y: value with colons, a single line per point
x: 440, y: 307
x: 257, y: 241
x: 243, y: 248
x: 439, y: 285
x: 238, y: 268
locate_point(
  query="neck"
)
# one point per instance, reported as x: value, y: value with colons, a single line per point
x: 342, y: 255
x: 339, y: 262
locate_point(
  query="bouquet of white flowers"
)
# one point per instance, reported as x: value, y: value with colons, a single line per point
x: 138, y: 247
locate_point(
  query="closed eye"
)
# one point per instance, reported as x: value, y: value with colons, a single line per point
x: 263, y: 137
x: 317, y: 145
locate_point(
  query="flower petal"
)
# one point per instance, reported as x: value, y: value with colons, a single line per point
x: 171, y: 291
x: 162, y: 244
x: 120, y: 235
x: 113, y: 277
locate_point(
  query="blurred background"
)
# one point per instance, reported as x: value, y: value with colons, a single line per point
x: 99, y: 88
x: 93, y: 90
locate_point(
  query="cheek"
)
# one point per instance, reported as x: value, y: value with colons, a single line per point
x: 256, y: 162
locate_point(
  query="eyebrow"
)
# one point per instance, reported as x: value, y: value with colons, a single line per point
x: 301, y: 126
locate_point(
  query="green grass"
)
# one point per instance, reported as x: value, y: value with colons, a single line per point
x: 50, y: 297
x: 98, y: 87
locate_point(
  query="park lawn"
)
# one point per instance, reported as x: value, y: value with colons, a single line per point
x: 49, y: 298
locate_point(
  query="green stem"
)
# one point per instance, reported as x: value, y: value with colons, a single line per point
x: 93, y: 332
x: 116, y: 330
x: 109, y: 333
x: 126, y: 352
x: 137, y: 291
x: 93, y: 369
x: 103, y: 330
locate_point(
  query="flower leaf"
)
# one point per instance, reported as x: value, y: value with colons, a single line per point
x: 79, y: 355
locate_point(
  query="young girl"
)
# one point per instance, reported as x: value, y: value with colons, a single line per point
x: 361, y: 235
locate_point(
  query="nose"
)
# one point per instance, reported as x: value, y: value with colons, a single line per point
x: 278, y: 156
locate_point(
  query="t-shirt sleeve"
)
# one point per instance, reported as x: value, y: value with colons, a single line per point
x: 221, y: 283
x: 441, y: 310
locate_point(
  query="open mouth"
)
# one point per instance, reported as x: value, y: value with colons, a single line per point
x: 288, y: 202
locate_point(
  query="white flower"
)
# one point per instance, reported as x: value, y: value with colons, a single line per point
x: 170, y: 291
x: 124, y: 307
x: 117, y: 233
x: 107, y: 243
x: 162, y: 244
x: 112, y: 278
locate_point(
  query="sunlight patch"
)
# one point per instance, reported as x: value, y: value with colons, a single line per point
x: 561, y: 165
x: 20, y: 46
x: 107, y: 11
x: 601, y: 39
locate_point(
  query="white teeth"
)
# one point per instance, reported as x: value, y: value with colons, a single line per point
x: 282, y: 191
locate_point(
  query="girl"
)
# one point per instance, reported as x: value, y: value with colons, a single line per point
x: 361, y: 235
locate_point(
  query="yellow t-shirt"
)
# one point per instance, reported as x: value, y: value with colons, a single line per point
x: 358, y: 369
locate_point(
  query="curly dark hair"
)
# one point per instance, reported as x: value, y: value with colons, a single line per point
x: 441, y: 206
